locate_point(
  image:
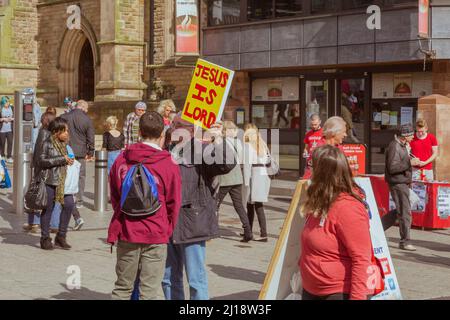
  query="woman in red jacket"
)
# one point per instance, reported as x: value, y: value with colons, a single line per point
x: 336, y: 258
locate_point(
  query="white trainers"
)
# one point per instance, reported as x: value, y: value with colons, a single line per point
x: 10, y: 160
x: 78, y: 224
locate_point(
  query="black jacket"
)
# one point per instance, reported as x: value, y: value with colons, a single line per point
x: 82, y: 133
x: 198, y: 220
x: 51, y: 161
x: 398, y: 164
x: 43, y: 135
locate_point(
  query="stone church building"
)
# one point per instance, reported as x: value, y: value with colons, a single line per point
x: 121, y: 53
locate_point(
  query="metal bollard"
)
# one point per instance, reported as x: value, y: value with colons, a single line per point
x: 21, y: 180
x: 101, y: 181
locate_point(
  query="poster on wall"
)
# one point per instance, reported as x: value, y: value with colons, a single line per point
x: 443, y: 202
x: 402, y: 85
x: 275, y: 89
x: 356, y: 156
x: 406, y: 115
x: 187, y: 27
x: 424, y: 12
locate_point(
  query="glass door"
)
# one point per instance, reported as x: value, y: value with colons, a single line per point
x: 318, y: 93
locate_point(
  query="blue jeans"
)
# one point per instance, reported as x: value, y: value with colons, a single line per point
x: 190, y: 256
x: 54, y: 222
x: 112, y: 156
x: 34, y: 218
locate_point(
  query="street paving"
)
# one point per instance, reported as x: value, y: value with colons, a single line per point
x: 236, y: 270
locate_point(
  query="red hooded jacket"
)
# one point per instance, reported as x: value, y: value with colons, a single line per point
x: 158, y: 228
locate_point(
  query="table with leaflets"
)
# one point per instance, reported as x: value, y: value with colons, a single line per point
x: 433, y: 210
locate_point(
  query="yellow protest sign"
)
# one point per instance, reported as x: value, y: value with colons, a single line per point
x: 207, y: 94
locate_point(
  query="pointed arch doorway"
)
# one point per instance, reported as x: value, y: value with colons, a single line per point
x: 86, y: 73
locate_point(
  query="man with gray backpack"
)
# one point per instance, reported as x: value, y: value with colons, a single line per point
x: 146, y: 198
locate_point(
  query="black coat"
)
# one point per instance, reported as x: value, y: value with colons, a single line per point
x: 43, y: 135
x: 398, y: 164
x: 51, y: 161
x: 198, y: 220
x: 82, y: 133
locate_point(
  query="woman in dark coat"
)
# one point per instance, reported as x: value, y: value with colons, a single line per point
x: 53, y: 158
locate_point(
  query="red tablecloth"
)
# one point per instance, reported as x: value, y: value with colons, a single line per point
x: 430, y: 217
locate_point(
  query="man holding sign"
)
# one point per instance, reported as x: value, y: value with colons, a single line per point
x: 207, y: 94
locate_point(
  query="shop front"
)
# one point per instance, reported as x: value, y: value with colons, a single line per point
x: 373, y: 103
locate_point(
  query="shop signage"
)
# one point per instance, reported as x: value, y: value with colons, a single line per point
x: 187, y: 27
x: 207, y: 94
x: 443, y: 202
x: 356, y: 156
x: 424, y: 13
x: 402, y: 85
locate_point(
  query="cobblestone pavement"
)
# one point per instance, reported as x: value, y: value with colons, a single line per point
x: 236, y: 270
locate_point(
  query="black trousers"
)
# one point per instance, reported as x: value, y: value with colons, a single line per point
x: 82, y: 183
x: 336, y: 296
x: 236, y: 197
x: 6, y: 137
x: 400, y: 195
x: 66, y: 213
x: 258, y: 206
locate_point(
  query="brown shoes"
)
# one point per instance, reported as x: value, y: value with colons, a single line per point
x: 62, y: 243
x: 46, y: 243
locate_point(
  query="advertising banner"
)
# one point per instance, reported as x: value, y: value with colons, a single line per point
x: 424, y: 13
x: 356, y: 156
x: 207, y: 94
x: 187, y: 26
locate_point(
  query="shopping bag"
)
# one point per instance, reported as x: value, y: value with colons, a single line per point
x: 5, y: 183
x: 72, y: 178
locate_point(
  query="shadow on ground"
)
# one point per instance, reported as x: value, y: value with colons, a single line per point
x: 79, y: 294
x: 435, y: 246
x: 229, y: 272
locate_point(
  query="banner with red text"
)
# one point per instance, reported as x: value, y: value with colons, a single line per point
x: 207, y: 94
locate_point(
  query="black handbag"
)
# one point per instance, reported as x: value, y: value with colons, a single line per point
x: 36, y: 195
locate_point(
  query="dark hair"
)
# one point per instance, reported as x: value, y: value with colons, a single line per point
x: 331, y: 176
x: 47, y: 117
x: 58, y: 125
x: 151, y: 125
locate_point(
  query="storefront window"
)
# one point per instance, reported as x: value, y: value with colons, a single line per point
x: 387, y: 116
x: 352, y: 108
x: 259, y: 9
x: 317, y: 100
x: 288, y: 8
x: 318, y: 6
x: 224, y: 12
x: 353, y: 4
x: 276, y: 115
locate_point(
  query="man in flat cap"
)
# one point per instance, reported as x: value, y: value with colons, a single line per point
x: 398, y: 174
x: 131, y: 125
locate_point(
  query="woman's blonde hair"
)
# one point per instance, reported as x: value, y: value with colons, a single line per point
x: 258, y: 144
x: 111, y: 123
x: 229, y: 129
x: 166, y: 103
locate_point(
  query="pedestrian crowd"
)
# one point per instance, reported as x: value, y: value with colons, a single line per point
x: 168, y: 179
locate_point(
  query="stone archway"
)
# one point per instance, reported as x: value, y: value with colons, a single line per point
x: 69, y: 54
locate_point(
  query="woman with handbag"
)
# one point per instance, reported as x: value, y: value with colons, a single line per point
x: 337, y: 260
x: 34, y: 220
x: 256, y: 189
x: 53, y: 161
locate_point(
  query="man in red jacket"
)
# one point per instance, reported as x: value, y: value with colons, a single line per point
x: 142, y: 242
